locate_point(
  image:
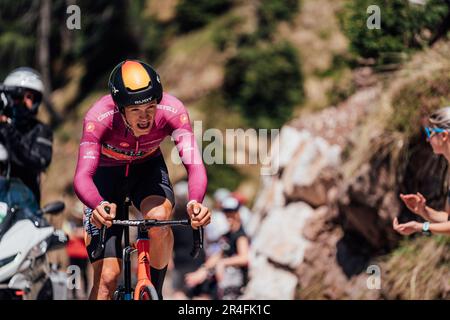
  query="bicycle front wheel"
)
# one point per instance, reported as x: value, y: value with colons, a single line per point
x: 148, y: 293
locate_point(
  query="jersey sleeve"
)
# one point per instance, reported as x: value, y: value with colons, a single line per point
x: 184, y: 138
x: 88, y: 160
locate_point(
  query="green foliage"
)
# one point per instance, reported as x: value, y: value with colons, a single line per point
x: 227, y: 33
x: 265, y: 84
x: 18, y: 21
x: 271, y: 12
x: 110, y: 32
x: 105, y: 38
x: 404, y: 26
x: 192, y: 15
x: 341, y: 89
x: 148, y: 33
x: 222, y: 176
x: 418, y: 99
x: 340, y: 73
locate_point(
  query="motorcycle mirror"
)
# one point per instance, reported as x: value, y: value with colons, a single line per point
x: 53, y: 207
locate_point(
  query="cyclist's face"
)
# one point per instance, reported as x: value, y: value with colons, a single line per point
x: 141, y: 117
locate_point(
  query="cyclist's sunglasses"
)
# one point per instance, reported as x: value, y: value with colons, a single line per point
x: 430, y: 131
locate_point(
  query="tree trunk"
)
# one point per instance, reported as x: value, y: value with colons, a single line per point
x: 44, y: 59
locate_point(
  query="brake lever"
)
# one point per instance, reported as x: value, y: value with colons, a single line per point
x: 198, y: 242
x: 101, y: 242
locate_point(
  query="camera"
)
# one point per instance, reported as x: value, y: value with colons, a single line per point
x: 7, y: 95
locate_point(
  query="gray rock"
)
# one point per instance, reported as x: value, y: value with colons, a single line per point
x: 304, y: 178
x: 270, y: 283
x: 270, y: 197
x: 280, y: 237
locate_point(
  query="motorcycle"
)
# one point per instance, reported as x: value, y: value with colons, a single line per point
x: 25, y: 239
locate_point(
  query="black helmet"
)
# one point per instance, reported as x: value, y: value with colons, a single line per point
x: 133, y: 82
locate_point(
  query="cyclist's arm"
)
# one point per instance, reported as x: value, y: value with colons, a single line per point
x: 241, y: 258
x: 187, y: 147
x: 88, y: 159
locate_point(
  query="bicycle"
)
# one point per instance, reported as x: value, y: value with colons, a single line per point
x: 144, y: 289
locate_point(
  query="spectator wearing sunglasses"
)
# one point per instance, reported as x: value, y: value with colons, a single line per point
x: 437, y: 222
x: 30, y: 141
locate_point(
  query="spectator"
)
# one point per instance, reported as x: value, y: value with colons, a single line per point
x: 244, y: 211
x: 29, y: 140
x: 229, y: 265
x: 218, y: 225
x: 437, y: 221
x: 183, y: 263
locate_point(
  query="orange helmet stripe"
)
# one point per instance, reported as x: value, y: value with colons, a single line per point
x: 134, y: 75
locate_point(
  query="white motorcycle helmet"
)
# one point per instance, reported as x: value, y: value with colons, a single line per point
x: 27, y: 78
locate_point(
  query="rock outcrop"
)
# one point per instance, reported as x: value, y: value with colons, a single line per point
x: 315, y: 232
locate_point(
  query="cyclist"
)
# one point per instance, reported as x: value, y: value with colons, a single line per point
x: 119, y: 155
x: 439, y: 138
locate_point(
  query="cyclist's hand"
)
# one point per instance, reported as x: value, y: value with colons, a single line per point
x: 407, y: 228
x: 415, y: 202
x: 199, y: 214
x: 101, y: 217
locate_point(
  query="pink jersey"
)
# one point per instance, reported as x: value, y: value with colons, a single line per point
x: 106, y: 141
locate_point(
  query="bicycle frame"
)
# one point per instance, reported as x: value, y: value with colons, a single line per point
x: 142, y: 247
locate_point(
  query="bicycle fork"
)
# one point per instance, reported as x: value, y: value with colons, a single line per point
x: 143, y: 268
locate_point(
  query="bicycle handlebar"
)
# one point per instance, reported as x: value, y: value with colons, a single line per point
x: 146, y: 224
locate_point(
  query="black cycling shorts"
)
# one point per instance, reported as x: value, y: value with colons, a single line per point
x: 144, y: 179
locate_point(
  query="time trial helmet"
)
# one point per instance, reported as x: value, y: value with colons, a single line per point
x: 134, y: 82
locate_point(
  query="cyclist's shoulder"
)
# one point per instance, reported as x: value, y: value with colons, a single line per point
x: 170, y: 105
x: 102, y: 110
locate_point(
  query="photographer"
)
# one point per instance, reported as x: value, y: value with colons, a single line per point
x: 29, y: 140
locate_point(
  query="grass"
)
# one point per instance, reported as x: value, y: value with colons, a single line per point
x: 418, y: 269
